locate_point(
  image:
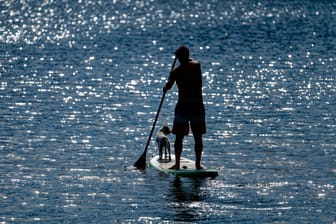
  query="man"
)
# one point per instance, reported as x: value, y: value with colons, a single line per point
x: 189, y: 109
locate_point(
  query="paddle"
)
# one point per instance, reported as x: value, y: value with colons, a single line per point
x: 141, y: 162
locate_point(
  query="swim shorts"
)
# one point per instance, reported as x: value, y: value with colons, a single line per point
x: 182, y: 123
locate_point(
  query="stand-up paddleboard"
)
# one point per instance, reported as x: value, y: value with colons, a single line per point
x: 187, y: 167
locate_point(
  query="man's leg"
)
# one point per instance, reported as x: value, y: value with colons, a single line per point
x: 180, y: 129
x: 198, y: 128
x: 178, y: 150
x: 198, y: 150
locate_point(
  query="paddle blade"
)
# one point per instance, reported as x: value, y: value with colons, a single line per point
x: 141, y: 163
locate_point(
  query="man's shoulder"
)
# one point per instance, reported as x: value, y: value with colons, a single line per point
x: 186, y: 67
x: 194, y: 62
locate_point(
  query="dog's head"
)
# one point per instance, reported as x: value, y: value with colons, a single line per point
x: 165, y: 129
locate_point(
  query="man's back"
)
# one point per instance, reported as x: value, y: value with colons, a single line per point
x: 188, y: 78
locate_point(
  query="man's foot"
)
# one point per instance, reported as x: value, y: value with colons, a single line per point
x: 175, y: 167
x: 199, y: 168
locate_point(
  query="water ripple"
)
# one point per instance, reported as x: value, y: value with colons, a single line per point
x: 80, y: 83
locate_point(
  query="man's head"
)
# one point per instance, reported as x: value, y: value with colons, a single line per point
x: 182, y: 53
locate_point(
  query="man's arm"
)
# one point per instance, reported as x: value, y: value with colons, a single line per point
x: 169, y: 84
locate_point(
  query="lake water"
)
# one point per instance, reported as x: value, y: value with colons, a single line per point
x: 81, y: 81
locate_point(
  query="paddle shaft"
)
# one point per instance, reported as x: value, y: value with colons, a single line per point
x: 155, y: 120
x: 141, y: 162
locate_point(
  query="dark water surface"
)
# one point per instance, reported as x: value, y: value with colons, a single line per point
x: 80, y: 83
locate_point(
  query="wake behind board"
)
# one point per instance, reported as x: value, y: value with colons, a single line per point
x: 187, y: 167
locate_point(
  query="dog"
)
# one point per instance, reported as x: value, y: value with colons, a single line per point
x: 163, y: 142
